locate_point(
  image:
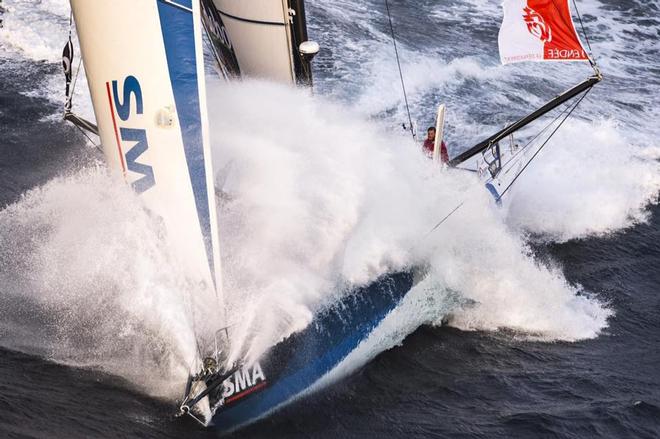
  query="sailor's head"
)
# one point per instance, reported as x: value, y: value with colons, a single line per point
x: 430, y: 133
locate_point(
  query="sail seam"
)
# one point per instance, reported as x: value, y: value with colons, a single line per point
x: 249, y: 20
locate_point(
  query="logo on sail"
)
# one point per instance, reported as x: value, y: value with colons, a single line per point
x: 135, y: 137
x: 536, y: 25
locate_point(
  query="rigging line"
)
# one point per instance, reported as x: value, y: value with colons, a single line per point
x: 544, y: 144
x: 445, y: 218
x: 75, y: 80
x: 505, y: 168
x: 523, y: 148
x: 592, y: 60
x: 98, y: 147
x: 398, y: 63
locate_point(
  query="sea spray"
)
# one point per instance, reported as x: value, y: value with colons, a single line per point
x: 86, y: 275
x: 590, y: 180
x: 319, y: 199
x: 315, y: 200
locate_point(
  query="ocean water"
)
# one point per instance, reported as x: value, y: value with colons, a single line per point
x: 538, y: 319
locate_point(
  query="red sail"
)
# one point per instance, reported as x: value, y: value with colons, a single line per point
x: 539, y: 30
x: 564, y: 43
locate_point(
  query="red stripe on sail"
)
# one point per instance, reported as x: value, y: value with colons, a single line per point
x: 114, y: 123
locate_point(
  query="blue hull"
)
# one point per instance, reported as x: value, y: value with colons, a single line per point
x: 291, y: 367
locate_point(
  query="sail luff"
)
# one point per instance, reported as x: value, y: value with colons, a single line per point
x: 210, y: 177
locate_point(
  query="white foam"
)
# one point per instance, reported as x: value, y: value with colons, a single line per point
x: 322, y: 198
x: 588, y: 181
x: 317, y: 198
x: 36, y: 28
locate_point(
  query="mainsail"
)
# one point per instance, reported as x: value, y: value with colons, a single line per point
x: 145, y: 71
x: 265, y: 36
x: 539, y: 30
x: 144, y: 68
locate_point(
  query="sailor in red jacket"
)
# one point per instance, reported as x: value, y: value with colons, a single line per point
x: 429, y: 144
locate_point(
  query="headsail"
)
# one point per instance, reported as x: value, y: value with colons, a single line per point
x: 144, y: 68
x: 539, y: 30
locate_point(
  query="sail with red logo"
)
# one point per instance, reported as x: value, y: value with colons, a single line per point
x: 539, y: 30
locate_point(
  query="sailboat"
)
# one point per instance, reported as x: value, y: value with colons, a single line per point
x: 532, y: 30
x: 538, y: 31
x: 145, y: 71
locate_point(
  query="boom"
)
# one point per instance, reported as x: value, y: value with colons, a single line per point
x: 554, y: 103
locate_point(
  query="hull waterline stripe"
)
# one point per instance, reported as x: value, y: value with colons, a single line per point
x: 290, y: 387
x: 322, y: 346
x: 247, y: 392
x: 114, y: 124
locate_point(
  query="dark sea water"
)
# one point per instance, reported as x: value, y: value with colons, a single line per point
x: 441, y: 381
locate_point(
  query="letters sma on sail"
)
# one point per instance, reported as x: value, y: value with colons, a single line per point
x: 539, y: 30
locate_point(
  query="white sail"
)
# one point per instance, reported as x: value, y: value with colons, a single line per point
x: 144, y: 67
x: 262, y: 37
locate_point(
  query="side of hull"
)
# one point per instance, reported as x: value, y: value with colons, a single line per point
x: 297, y: 365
